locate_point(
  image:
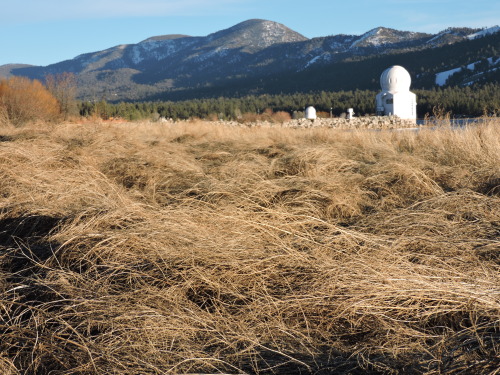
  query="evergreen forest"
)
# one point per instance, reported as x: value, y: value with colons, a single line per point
x: 469, y: 101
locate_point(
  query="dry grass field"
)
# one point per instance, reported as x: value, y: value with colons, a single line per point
x: 190, y: 248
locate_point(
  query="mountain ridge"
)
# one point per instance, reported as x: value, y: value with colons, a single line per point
x: 250, y: 49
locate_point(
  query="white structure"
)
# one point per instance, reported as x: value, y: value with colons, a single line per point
x: 396, y: 98
x: 350, y: 113
x: 310, y: 113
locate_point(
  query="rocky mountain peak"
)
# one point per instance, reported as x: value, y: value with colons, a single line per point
x: 382, y: 36
x: 254, y: 35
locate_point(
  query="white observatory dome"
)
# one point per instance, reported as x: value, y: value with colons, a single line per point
x: 310, y: 113
x: 394, y: 79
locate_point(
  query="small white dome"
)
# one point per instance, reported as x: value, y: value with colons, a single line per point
x: 310, y: 113
x: 394, y: 79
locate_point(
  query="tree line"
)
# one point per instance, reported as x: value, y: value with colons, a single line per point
x: 459, y: 101
x: 23, y: 100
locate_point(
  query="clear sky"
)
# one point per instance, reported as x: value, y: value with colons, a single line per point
x: 42, y: 32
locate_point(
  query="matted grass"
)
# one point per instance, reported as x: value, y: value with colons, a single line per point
x: 190, y: 248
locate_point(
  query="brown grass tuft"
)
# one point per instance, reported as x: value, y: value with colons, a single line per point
x: 190, y: 248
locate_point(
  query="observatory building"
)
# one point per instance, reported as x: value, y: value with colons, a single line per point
x: 396, y: 98
x: 310, y: 113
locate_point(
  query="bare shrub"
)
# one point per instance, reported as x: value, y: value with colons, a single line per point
x: 249, y: 117
x: 268, y: 115
x: 281, y: 117
x: 63, y: 88
x: 25, y: 100
x: 322, y: 114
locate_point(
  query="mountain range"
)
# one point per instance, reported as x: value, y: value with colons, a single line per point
x: 259, y: 56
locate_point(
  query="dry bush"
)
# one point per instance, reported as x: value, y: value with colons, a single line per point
x: 249, y: 117
x: 322, y: 114
x: 268, y: 115
x: 281, y: 117
x: 160, y: 248
x: 24, y: 100
x: 63, y: 87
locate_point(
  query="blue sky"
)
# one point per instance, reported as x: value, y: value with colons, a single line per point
x: 42, y: 32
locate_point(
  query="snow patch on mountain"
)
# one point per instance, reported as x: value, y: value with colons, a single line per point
x: 368, y: 35
x: 218, y: 52
x: 484, y: 32
x: 315, y: 59
x: 320, y: 58
x: 442, y: 77
x: 158, y: 49
x: 438, y: 36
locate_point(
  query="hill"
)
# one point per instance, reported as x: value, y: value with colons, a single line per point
x: 258, y: 56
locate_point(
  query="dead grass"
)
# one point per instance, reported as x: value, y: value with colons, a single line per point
x: 169, y: 249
